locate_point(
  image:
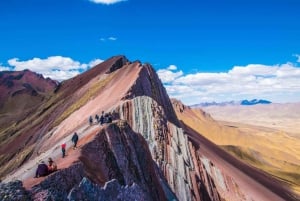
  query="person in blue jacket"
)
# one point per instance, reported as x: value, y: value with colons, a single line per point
x: 75, y: 140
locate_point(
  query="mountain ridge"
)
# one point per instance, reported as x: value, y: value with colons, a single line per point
x: 145, y: 149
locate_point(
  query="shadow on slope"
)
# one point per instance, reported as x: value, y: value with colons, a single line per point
x: 272, y: 184
x: 288, y: 172
x: 265, y: 148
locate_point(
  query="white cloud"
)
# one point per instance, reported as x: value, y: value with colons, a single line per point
x: 4, y: 68
x: 167, y: 76
x: 50, y: 63
x: 107, y: 2
x: 61, y: 75
x: 172, y: 67
x: 253, y: 69
x: 56, y: 67
x: 278, y: 83
x: 95, y: 62
x: 112, y: 38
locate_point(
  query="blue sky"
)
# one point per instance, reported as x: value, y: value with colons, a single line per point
x: 202, y: 50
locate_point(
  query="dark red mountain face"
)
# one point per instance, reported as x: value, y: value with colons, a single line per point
x: 20, y: 93
x: 13, y: 81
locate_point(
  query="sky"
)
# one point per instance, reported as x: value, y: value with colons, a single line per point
x: 202, y: 50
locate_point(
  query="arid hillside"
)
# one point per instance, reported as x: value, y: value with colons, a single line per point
x: 21, y: 92
x: 284, y: 117
x: 273, y: 151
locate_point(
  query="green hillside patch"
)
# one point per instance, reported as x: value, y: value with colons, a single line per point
x: 290, y: 177
x: 89, y: 94
x: 243, y: 154
x: 17, y: 161
x: 289, y: 173
x: 33, y: 118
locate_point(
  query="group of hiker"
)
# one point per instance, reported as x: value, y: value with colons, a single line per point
x: 43, y: 169
x: 64, y: 145
x: 104, y: 118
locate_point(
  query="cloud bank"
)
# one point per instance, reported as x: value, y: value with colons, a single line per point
x: 55, y: 67
x: 107, y: 2
x: 278, y: 83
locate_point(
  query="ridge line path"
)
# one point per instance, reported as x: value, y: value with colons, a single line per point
x: 27, y: 171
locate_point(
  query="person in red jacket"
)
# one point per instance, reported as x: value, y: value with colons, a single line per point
x: 63, y: 149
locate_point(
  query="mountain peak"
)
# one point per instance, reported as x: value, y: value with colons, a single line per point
x: 255, y: 102
x: 119, y: 62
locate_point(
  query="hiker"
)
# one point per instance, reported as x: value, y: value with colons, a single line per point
x: 63, y: 149
x: 91, y: 120
x: 106, y: 118
x: 97, y: 118
x: 51, y: 166
x: 42, y: 170
x: 102, y: 118
x: 75, y: 140
x: 109, y: 118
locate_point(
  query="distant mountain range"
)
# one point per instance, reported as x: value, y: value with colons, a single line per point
x: 242, y: 102
x: 255, y: 102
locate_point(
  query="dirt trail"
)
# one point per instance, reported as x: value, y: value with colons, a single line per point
x: 27, y: 172
x: 106, y: 100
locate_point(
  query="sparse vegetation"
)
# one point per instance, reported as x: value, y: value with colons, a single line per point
x: 269, y: 150
x: 290, y: 174
x: 35, y: 120
x: 19, y: 159
x: 242, y: 154
x: 85, y: 98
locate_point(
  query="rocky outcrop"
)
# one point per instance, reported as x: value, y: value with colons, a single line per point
x: 13, y: 191
x: 58, y: 185
x: 150, y: 113
x: 112, y: 190
x: 167, y: 142
x: 119, y: 63
x: 119, y: 153
x: 149, y: 84
x: 115, y: 165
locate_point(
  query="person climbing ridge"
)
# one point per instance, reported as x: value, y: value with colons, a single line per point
x: 63, y: 149
x: 109, y: 118
x: 97, y: 118
x: 91, y: 120
x: 75, y: 140
x: 102, y: 118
